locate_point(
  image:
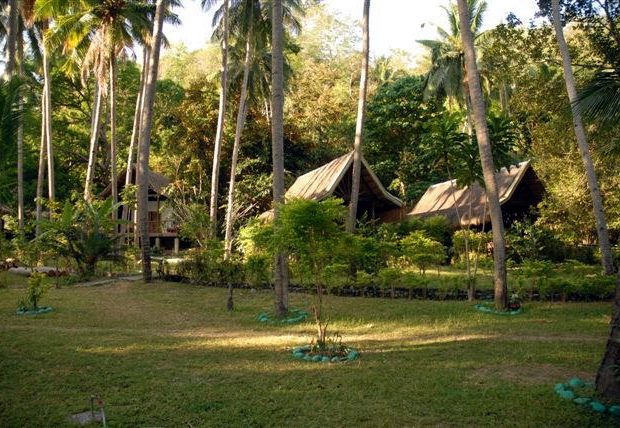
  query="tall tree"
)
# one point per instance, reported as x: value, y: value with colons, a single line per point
x: 144, y: 142
x: 11, y: 69
x: 133, y: 142
x: 446, y: 78
x: 486, y: 156
x: 219, y: 135
x: 102, y: 31
x: 248, y: 13
x: 582, y: 144
x: 359, y: 126
x: 277, y: 147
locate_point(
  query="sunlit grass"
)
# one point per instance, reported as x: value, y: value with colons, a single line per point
x: 171, y: 355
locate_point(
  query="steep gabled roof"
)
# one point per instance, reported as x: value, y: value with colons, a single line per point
x: 446, y: 199
x: 321, y: 183
x: 157, y: 182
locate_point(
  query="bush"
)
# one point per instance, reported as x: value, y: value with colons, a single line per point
x: 422, y: 251
x: 390, y: 278
x: 257, y: 270
x: 83, y: 231
x: 478, y: 242
x: 35, y: 291
x: 204, y: 265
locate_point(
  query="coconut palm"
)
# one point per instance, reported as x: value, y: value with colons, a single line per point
x: 447, y: 74
x: 277, y: 147
x: 219, y: 134
x: 250, y: 23
x: 486, y: 155
x: 582, y: 144
x: 359, y: 127
x: 144, y: 140
x: 103, y: 30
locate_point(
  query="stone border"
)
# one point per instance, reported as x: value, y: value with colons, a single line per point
x: 568, y: 391
x: 295, y: 316
x: 488, y: 310
x: 302, y: 353
x: 41, y: 310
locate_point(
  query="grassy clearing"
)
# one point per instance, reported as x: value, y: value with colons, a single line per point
x: 170, y: 355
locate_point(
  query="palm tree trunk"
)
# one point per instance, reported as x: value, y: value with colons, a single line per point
x: 51, y: 179
x: 277, y: 149
x: 607, y: 381
x: 94, y: 140
x: 241, y: 115
x: 126, y: 215
x: 20, y: 135
x: 145, y: 138
x: 359, y: 126
x: 11, y: 38
x: 486, y: 158
x: 41, y: 171
x: 113, y: 173
x: 582, y: 144
x: 217, y: 149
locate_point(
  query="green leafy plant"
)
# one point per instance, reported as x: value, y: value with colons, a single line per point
x: 312, y: 232
x: 422, y: 251
x: 35, y: 291
x: 83, y: 231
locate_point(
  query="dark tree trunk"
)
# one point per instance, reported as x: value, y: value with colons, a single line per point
x: 144, y: 142
x: 486, y: 158
x: 359, y: 126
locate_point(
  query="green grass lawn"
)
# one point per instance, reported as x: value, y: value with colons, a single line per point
x: 170, y: 355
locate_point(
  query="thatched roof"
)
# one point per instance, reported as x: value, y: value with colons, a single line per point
x: 334, y: 179
x: 324, y: 181
x: 157, y: 182
x: 518, y: 187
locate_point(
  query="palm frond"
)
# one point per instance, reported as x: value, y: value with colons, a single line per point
x: 600, y: 99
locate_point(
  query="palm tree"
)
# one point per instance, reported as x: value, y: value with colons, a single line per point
x: 219, y: 134
x: 447, y: 74
x: 135, y: 133
x: 250, y: 23
x: 486, y: 155
x: 277, y: 147
x: 103, y: 30
x: 11, y: 38
x: 144, y: 141
x: 582, y: 144
x: 359, y: 126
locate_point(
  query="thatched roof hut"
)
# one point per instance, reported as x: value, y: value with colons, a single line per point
x: 335, y: 178
x: 157, y: 184
x: 519, y: 189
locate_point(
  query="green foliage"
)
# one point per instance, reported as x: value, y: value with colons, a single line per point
x: 312, y: 232
x: 194, y: 221
x: 422, y: 251
x: 83, y: 231
x: 35, y: 291
x: 478, y: 241
x: 257, y: 270
x: 532, y: 241
x: 396, y: 116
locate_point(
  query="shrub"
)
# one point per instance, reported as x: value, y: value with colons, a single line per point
x: 83, y: 231
x: 478, y: 242
x: 389, y: 278
x: 35, y: 291
x: 422, y: 251
x: 257, y: 269
x: 204, y: 265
